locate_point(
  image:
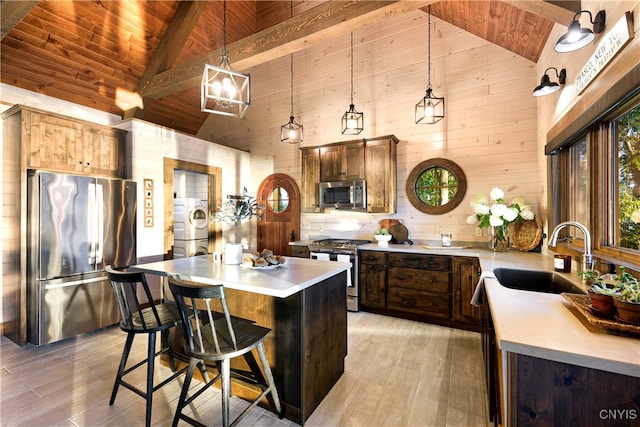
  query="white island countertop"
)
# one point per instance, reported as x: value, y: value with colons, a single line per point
x: 539, y: 324
x: 295, y: 275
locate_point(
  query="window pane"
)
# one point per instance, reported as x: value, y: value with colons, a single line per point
x: 627, y: 132
x: 579, y: 203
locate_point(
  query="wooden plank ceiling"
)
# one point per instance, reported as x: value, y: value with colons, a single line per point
x: 112, y: 55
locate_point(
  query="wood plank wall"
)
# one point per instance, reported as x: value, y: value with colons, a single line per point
x: 148, y: 146
x: 489, y: 130
x: 562, y: 104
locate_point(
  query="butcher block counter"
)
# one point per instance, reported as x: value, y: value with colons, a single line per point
x: 303, y: 302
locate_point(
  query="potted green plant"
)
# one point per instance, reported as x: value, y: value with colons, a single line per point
x: 382, y: 236
x: 627, y: 299
x: 600, y: 293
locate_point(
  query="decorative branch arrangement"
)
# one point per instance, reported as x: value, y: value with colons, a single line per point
x: 239, y: 208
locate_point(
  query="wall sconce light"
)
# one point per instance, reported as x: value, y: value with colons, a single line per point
x: 546, y: 86
x: 576, y: 38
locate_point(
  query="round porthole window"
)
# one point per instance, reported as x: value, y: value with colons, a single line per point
x: 278, y: 199
x: 436, y: 186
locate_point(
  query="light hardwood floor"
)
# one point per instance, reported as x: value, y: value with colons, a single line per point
x: 398, y: 373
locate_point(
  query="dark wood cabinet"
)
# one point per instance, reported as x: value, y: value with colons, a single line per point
x: 373, y: 274
x: 310, y: 178
x: 466, y: 272
x: 380, y: 174
x: 549, y: 393
x: 425, y: 287
x: 372, y: 159
x: 419, y: 284
x: 342, y: 162
x: 299, y: 251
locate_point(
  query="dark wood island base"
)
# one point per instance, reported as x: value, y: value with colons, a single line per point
x: 307, y: 345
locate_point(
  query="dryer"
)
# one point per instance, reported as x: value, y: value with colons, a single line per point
x: 190, y: 219
x: 189, y: 248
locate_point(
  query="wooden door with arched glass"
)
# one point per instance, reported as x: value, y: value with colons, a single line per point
x: 280, y: 223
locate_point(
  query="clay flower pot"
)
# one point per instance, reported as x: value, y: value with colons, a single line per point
x: 627, y: 311
x: 601, y: 305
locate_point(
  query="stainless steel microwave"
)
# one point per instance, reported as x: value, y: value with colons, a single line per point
x: 344, y: 194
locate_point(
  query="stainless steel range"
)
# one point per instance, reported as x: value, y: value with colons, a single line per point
x: 344, y: 250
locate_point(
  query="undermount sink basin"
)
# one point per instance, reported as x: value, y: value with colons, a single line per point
x: 536, y: 281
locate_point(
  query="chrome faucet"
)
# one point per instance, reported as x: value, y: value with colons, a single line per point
x: 587, y: 259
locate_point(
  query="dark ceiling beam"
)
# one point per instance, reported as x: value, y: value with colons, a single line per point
x: 313, y: 26
x: 12, y: 12
x: 169, y: 48
x: 552, y: 12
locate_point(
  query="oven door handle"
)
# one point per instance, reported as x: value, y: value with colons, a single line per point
x: 322, y: 256
x: 346, y: 258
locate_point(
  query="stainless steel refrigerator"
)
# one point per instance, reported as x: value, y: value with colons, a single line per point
x: 77, y: 225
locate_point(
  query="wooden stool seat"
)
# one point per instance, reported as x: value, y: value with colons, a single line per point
x: 215, y: 336
x: 140, y: 315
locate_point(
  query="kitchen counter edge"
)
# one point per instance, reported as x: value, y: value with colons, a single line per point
x: 539, y: 324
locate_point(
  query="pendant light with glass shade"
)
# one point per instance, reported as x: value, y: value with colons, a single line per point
x: 223, y: 90
x: 291, y: 132
x: 352, y: 121
x: 430, y: 109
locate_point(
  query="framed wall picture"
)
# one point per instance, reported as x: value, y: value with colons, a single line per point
x: 148, y: 202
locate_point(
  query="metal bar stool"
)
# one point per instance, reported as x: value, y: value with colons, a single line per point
x: 140, y: 315
x: 216, y: 337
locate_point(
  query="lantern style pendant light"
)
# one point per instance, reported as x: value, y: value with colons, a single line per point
x: 225, y: 91
x: 430, y: 109
x: 352, y: 121
x: 291, y: 132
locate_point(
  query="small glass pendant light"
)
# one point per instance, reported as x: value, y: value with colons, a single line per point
x: 292, y: 132
x: 352, y: 120
x: 430, y: 109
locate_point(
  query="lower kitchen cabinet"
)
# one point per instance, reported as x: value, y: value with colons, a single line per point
x: 430, y: 288
x: 373, y: 276
x: 299, y: 251
x: 550, y: 393
x: 466, y: 272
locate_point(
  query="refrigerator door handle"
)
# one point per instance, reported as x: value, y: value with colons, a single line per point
x: 75, y: 282
x: 99, y: 237
x: 91, y: 226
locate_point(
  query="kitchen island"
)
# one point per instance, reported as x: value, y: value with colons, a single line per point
x: 303, y: 302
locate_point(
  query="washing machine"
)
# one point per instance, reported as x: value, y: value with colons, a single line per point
x: 190, y: 219
x: 188, y: 248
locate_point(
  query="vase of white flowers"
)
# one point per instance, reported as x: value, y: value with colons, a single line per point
x: 496, y: 215
x: 499, y: 238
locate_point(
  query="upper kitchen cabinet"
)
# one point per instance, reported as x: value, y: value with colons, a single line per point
x: 380, y: 173
x: 373, y: 159
x: 310, y: 179
x: 341, y: 162
x: 63, y: 144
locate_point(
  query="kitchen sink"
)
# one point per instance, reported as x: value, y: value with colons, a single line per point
x: 536, y: 280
